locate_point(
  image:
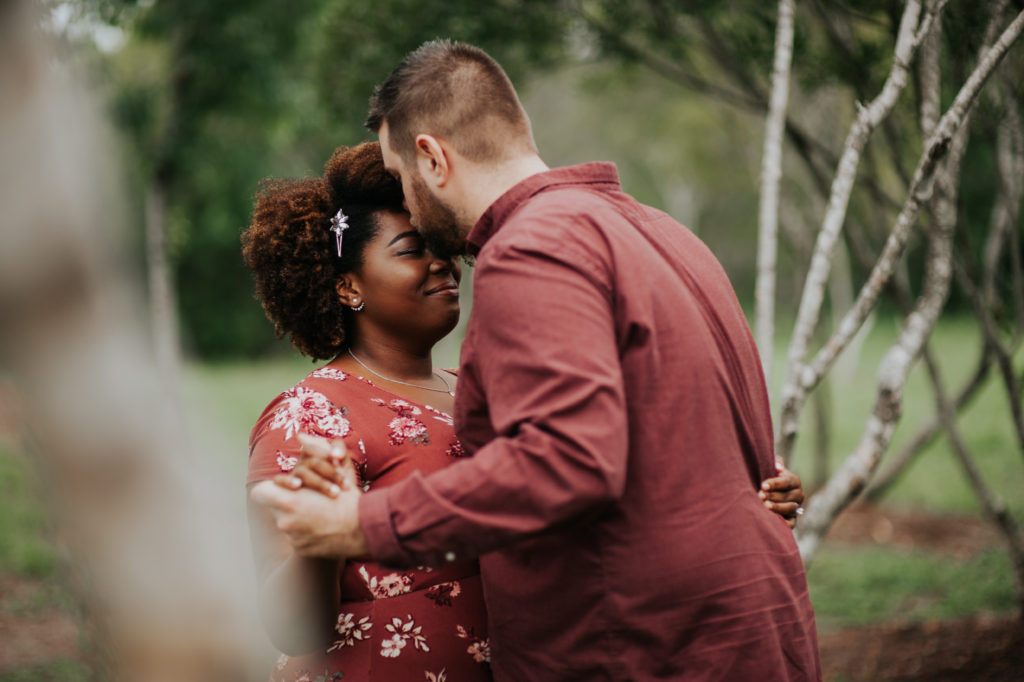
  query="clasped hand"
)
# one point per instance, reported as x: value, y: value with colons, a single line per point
x: 783, y: 494
x: 316, y: 505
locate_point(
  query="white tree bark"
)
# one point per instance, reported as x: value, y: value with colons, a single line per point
x: 771, y: 175
x: 951, y: 132
x: 802, y: 378
x: 847, y: 483
x: 813, y: 295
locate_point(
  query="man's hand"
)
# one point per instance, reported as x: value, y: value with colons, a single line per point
x: 317, y: 525
x: 783, y: 494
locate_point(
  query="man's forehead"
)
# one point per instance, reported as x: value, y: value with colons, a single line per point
x: 385, y: 149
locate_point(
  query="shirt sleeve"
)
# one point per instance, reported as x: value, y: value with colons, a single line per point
x: 545, y: 353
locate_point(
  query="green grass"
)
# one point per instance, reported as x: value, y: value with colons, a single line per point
x: 935, y: 481
x: 849, y: 585
x: 225, y: 399
x: 857, y: 586
x: 59, y: 670
x: 25, y: 549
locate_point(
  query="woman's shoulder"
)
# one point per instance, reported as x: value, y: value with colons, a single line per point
x: 321, y: 404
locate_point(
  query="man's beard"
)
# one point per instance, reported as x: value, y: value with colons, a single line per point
x: 437, y: 223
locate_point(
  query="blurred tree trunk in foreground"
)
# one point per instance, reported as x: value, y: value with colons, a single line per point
x: 158, y: 573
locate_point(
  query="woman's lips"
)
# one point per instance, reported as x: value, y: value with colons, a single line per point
x: 446, y: 288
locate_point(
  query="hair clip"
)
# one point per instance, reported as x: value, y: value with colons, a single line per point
x: 339, y: 223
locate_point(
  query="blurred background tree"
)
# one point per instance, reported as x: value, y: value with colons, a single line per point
x: 213, y: 97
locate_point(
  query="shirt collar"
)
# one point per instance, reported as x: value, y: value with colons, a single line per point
x: 497, y: 213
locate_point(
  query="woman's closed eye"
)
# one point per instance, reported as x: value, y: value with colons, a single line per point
x: 416, y: 250
x: 408, y: 243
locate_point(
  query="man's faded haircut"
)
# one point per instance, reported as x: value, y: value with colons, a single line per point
x: 455, y: 92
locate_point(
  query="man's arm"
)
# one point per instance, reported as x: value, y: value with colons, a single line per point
x: 547, y: 358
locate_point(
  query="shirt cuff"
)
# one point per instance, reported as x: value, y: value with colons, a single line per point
x: 375, y: 520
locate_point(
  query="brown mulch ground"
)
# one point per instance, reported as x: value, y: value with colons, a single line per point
x: 30, y: 634
x: 984, y: 649
x: 973, y: 650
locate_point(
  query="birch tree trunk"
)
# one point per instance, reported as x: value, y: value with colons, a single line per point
x: 802, y: 378
x: 949, y: 133
x: 771, y: 175
x: 794, y: 391
x: 1010, y: 167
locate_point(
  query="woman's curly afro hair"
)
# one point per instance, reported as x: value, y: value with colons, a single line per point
x: 292, y: 252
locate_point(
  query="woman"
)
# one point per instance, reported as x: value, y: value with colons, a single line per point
x: 341, y: 271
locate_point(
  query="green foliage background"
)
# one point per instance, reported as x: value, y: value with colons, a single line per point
x: 212, y: 97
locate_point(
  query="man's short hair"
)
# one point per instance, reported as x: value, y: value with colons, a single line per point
x: 455, y: 92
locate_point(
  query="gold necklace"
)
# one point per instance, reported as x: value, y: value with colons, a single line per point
x: 447, y: 387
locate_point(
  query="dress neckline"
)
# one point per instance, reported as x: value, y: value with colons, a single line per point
x: 389, y: 392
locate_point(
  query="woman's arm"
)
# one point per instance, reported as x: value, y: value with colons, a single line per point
x: 297, y: 594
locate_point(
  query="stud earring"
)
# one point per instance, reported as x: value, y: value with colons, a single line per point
x: 357, y: 308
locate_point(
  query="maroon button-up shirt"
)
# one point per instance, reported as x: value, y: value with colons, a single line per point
x: 612, y: 397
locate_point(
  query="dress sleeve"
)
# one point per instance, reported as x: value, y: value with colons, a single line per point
x: 270, y: 452
x: 545, y: 352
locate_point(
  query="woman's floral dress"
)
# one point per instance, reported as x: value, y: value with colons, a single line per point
x: 419, y: 624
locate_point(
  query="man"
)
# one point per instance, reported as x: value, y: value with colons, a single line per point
x: 612, y: 397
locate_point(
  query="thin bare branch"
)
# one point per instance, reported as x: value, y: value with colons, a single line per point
x: 930, y: 76
x: 847, y: 483
x: 858, y: 468
x: 804, y: 378
x: 882, y: 482
x: 667, y: 68
x: 814, y: 289
x: 1003, y: 354
x: 991, y: 504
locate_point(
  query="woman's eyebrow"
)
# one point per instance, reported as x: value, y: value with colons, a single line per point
x: 409, y: 233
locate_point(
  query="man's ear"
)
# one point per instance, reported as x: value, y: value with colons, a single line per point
x: 433, y: 159
x: 347, y: 288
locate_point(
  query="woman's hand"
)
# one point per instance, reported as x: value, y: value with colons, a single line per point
x: 320, y: 467
x: 783, y: 494
x: 315, y: 525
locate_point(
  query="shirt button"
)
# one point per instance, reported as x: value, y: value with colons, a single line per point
x: 449, y: 556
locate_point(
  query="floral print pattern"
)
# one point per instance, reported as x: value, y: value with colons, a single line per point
x: 304, y: 408
x: 402, y: 633
x: 285, y: 462
x: 443, y: 593
x: 390, y: 585
x: 406, y: 426
x: 351, y: 630
x: 479, y: 649
x: 385, y: 628
x: 441, y: 416
x: 329, y: 373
